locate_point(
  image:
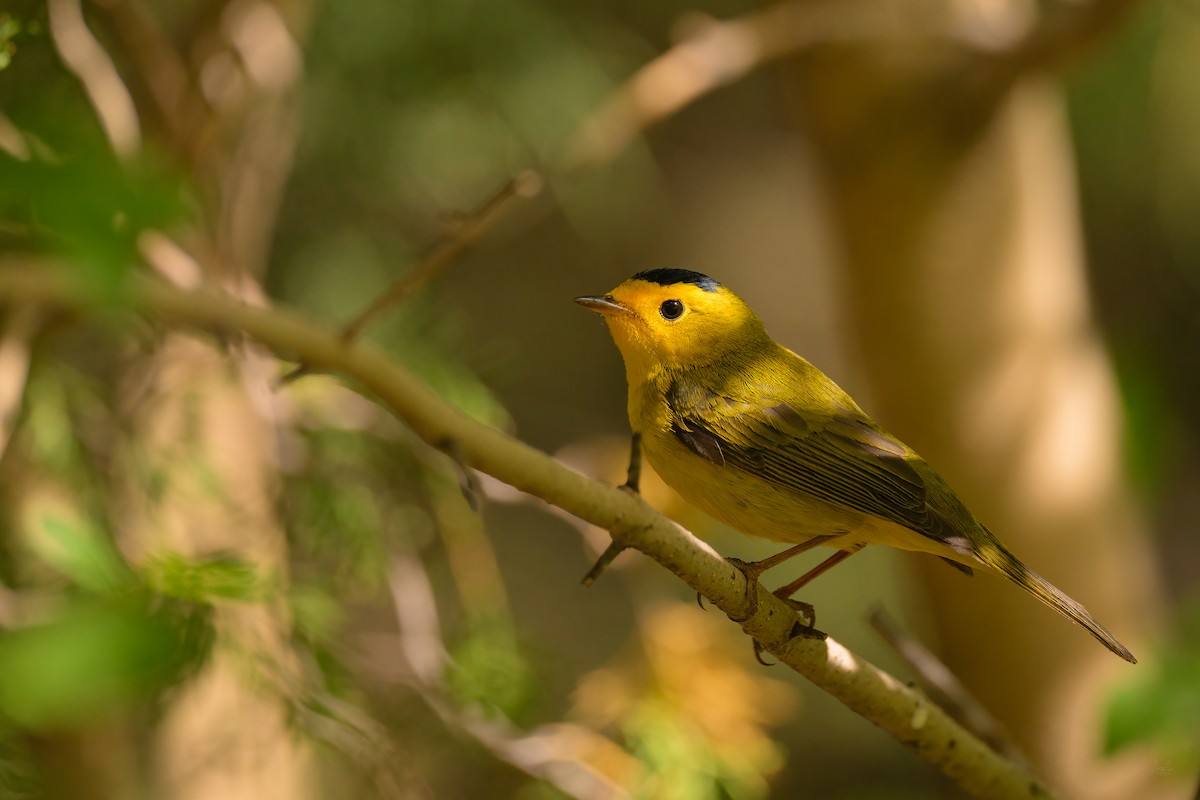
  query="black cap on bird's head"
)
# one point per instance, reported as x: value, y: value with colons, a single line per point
x: 667, y: 276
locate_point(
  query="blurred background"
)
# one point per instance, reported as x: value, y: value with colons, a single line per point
x: 978, y: 217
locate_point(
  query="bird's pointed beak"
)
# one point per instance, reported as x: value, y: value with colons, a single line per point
x: 602, y: 304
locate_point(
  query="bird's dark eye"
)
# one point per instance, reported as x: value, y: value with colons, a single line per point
x: 671, y: 309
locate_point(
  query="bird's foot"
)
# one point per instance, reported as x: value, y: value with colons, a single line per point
x: 751, y: 570
x: 799, y: 630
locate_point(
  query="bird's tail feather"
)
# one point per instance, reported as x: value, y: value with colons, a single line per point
x: 1000, y: 560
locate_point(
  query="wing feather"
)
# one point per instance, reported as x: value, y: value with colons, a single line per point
x: 840, y: 457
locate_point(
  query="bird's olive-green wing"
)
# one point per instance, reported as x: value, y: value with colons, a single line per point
x: 837, y: 456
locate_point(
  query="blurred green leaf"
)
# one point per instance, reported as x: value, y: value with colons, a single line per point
x: 489, y: 672
x: 1162, y: 706
x: 682, y: 763
x: 202, y: 581
x: 1149, y: 429
x: 94, y: 659
x: 340, y: 523
x: 316, y: 614
x: 82, y: 552
x: 48, y: 429
x: 9, y: 29
x: 77, y: 200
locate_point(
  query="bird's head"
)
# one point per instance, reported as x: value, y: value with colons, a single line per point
x: 675, y: 319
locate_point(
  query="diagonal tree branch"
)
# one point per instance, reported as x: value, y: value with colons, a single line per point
x: 903, y: 712
x: 715, y: 53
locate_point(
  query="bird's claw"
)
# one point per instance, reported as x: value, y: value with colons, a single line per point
x: 750, y: 571
x: 805, y: 610
x: 798, y: 631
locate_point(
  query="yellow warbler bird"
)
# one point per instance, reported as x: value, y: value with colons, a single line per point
x: 765, y: 442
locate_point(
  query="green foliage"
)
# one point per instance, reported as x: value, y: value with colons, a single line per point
x: 83, y: 553
x: 117, y: 637
x: 489, y: 672
x: 1160, y: 705
x: 79, y: 202
x: 10, y: 28
x: 1149, y: 431
x: 337, y: 523
x: 96, y: 657
x: 316, y: 613
x: 203, y: 581
x: 682, y: 764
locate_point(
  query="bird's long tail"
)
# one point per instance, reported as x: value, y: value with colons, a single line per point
x: 998, y: 559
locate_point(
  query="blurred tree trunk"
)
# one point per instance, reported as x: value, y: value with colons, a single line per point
x: 202, y: 476
x: 964, y: 280
x: 208, y: 446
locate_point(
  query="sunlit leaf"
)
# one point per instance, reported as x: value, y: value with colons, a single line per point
x: 83, y: 553
x: 1161, y: 706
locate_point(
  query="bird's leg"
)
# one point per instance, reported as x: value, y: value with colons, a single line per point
x: 785, y: 593
x: 754, y: 569
x: 632, y: 478
x: 633, y: 475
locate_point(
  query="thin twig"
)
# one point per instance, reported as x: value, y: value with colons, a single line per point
x: 85, y: 57
x: 944, y: 688
x: 906, y: 714
x: 712, y: 54
x: 425, y: 656
x: 465, y: 232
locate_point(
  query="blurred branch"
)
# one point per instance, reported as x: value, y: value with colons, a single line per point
x: 161, y: 69
x: 712, y: 54
x: 540, y: 754
x: 944, y: 688
x: 85, y: 57
x: 904, y: 713
x: 14, y: 367
x: 716, y: 53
